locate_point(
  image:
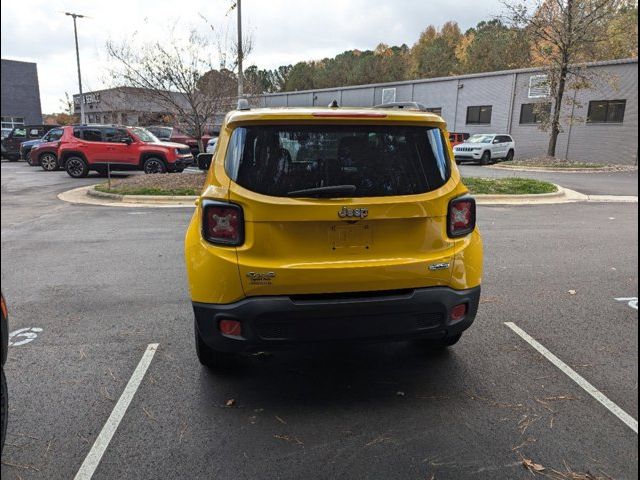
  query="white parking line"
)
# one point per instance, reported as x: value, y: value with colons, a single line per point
x: 92, y: 460
x: 586, y: 386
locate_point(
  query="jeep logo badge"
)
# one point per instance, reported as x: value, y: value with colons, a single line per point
x: 347, y: 212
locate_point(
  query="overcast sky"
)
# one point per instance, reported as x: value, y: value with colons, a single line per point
x: 282, y: 31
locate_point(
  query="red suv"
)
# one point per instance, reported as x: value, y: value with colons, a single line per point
x: 173, y: 134
x: 456, y: 138
x: 94, y: 147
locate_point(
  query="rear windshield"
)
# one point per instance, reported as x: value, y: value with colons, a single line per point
x: 338, y: 160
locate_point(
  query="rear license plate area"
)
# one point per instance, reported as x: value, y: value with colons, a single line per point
x: 350, y: 237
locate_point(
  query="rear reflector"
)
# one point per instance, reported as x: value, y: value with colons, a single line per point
x: 222, y: 223
x: 461, y: 218
x: 458, y: 312
x: 230, y: 327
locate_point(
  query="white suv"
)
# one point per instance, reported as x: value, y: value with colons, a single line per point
x: 485, y: 148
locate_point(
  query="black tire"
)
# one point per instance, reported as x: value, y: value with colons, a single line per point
x: 49, y: 162
x: 4, y: 410
x: 76, y: 167
x: 486, y: 158
x: 213, y: 359
x: 28, y: 160
x: 437, y: 344
x: 509, y: 156
x: 154, y: 165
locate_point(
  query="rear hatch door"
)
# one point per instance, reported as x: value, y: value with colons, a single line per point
x: 341, y: 208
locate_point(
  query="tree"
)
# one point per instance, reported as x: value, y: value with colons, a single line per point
x: 494, y: 46
x: 176, y: 75
x: 67, y: 117
x: 562, y: 32
x: 434, y: 54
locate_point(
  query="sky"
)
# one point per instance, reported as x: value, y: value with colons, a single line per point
x: 281, y: 31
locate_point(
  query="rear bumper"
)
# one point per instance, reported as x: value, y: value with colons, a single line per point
x: 270, y: 323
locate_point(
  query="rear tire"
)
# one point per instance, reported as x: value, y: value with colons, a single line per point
x: 509, y: 156
x: 48, y: 162
x: 154, y: 165
x: 213, y: 359
x: 4, y: 410
x: 76, y: 167
x: 486, y: 158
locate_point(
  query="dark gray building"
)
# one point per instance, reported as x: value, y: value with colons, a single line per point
x: 20, y: 94
x: 600, y: 124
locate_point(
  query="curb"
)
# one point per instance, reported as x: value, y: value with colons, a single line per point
x: 87, y: 195
x: 559, y: 170
x: 82, y: 196
x: 143, y: 199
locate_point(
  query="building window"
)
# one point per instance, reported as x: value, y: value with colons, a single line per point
x: 534, y: 113
x: 539, y: 86
x: 606, y: 111
x: 479, y: 115
x: 436, y: 110
x: 388, y: 95
x: 11, y: 122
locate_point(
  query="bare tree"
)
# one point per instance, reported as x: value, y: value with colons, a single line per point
x: 175, y: 75
x: 563, y: 32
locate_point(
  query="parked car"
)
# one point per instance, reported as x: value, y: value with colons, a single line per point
x: 52, y: 135
x: 4, y: 347
x: 11, y: 144
x: 211, y: 145
x: 174, y: 134
x: 5, y: 133
x: 456, y: 138
x: 95, y: 147
x: 331, y: 225
x: 485, y: 148
x: 46, y: 155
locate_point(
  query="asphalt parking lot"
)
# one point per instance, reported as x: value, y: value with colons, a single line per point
x: 96, y: 286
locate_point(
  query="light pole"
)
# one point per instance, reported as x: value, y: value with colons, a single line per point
x: 75, y: 33
x: 240, y: 54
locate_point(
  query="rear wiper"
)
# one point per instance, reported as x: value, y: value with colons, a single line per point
x: 329, y: 191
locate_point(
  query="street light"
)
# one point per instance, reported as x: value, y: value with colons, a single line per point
x: 75, y: 33
x: 240, y: 53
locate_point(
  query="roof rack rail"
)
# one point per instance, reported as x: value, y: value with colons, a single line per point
x: 243, y: 104
x: 404, y: 105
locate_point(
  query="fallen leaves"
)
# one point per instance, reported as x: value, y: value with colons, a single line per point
x: 525, y: 422
x: 532, y: 466
x: 571, y: 292
x: 568, y: 474
x: 291, y: 439
x: 230, y: 403
x: 148, y: 414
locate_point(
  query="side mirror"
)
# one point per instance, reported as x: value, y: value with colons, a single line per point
x: 127, y: 140
x: 495, y: 140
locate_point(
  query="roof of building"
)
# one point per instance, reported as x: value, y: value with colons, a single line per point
x: 454, y: 77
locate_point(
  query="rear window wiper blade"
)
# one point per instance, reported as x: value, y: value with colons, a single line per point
x: 329, y: 191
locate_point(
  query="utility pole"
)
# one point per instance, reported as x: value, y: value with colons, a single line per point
x: 240, y: 53
x: 75, y: 33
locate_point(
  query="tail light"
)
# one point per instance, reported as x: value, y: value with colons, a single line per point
x: 222, y: 223
x: 461, y: 217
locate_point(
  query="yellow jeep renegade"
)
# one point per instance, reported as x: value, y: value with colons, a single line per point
x: 331, y: 224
